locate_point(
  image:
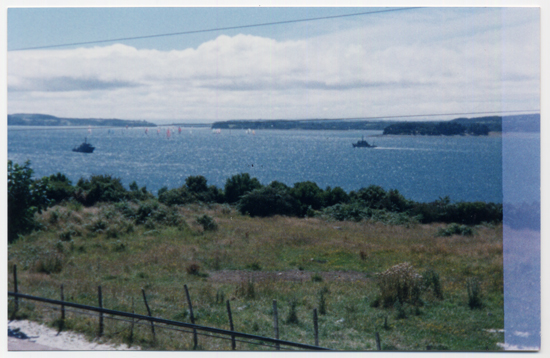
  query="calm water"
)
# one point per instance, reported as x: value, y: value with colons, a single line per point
x: 421, y: 168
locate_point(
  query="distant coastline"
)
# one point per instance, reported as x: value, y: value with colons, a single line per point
x: 26, y: 119
x: 457, y: 126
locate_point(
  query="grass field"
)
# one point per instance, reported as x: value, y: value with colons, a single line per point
x: 307, y: 263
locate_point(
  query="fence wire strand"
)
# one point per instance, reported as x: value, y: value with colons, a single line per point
x: 142, y: 323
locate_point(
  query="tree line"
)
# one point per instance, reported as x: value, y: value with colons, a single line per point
x: 28, y: 196
x: 436, y: 128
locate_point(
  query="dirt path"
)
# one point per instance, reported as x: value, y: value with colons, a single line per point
x: 43, y: 338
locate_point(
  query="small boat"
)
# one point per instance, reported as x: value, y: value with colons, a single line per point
x: 84, y: 147
x: 363, y: 144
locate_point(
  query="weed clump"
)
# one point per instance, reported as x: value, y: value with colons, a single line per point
x: 399, y: 283
x: 292, y: 317
x: 433, y: 283
x: 51, y: 263
x: 207, y: 222
x: 455, y: 229
x: 317, y: 278
x: 474, y: 294
x: 323, y: 301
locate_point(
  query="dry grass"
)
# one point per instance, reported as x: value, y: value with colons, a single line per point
x: 156, y: 260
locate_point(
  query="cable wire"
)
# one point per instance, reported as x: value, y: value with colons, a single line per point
x: 211, y: 30
x: 148, y: 324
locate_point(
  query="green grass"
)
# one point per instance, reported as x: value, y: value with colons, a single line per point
x: 242, y: 248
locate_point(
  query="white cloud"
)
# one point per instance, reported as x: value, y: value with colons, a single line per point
x: 420, y: 64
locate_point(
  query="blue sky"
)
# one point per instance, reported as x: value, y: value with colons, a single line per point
x: 420, y: 61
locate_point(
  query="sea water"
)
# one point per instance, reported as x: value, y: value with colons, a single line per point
x: 422, y: 168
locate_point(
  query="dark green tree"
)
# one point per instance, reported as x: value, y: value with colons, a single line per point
x: 308, y: 194
x: 25, y: 198
x: 58, y: 188
x: 268, y: 201
x: 238, y: 185
x: 196, y: 184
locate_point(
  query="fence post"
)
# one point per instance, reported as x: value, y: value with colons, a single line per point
x: 378, y: 347
x: 315, y: 327
x: 195, y: 340
x: 15, y: 289
x: 131, y: 339
x: 233, y: 346
x: 62, y: 323
x: 100, y: 298
x: 276, y: 323
x: 149, y: 313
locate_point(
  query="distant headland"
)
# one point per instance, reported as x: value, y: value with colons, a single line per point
x: 458, y: 126
x: 26, y: 119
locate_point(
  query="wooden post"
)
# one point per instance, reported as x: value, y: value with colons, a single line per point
x: 149, y: 313
x: 378, y: 347
x: 100, y: 298
x: 62, y: 323
x: 15, y: 289
x: 195, y: 340
x: 62, y: 306
x: 315, y: 327
x: 231, y: 325
x: 276, y: 324
x: 132, y: 326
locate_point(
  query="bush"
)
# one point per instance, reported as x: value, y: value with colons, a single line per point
x: 474, y: 294
x: 455, y: 229
x: 146, y: 210
x: 268, y: 201
x: 238, y: 185
x: 432, y: 282
x: 208, y: 224
x: 400, y: 283
x: 292, y: 317
x: 25, y: 198
x: 138, y: 194
x: 370, y: 197
x: 308, y: 194
x: 58, y: 188
x: 100, y: 188
x: 334, y: 196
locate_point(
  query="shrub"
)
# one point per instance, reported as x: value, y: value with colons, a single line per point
x: 308, y: 195
x: 255, y: 266
x: 208, y: 224
x: 49, y: 263
x: 399, y: 283
x: 146, y: 210
x: 58, y: 188
x: 193, y: 269
x: 268, y: 201
x: 370, y: 197
x: 317, y: 278
x: 238, y: 185
x: 474, y: 294
x: 100, y: 188
x: 292, y: 317
x: 334, y: 196
x: 432, y: 282
x: 455, y: 229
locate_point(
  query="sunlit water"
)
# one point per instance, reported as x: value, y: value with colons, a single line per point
x: 421, y: 168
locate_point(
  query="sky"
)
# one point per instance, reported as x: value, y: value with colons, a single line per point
x: 418, y: 61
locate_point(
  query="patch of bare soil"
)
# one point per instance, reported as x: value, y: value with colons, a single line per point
x: 237, y: 276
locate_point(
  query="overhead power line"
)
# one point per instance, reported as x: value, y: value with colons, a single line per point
x: 212, y: 30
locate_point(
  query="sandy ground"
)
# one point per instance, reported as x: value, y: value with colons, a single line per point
x: 43, y: 338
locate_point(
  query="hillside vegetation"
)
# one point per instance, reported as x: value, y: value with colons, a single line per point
x: 366, y: 269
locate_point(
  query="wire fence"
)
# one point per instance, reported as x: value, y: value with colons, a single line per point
x: 156, y: 322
